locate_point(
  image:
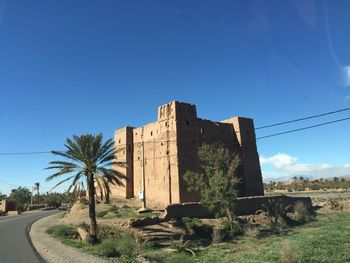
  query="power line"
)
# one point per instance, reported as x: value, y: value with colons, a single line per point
x: 301, y: 129
x: 302, y: 119
x: 9, y: 184
x: 259, y: 138
x: 24, y: 153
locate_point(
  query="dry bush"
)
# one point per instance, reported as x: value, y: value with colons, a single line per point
x: 277, y: 211
x: 183, y: 246
x: 252, y: 232
x: 289, y: 255
x: 335, y: 205
x: 301, y: 213
x: 217, y: 235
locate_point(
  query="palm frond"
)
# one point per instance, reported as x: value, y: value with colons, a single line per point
x: 75, y: 181
x: 61, y: 182
x: 63, y: 171
x: 113, y: 175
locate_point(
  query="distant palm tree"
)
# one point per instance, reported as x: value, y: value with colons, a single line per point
x: 90, y: 159
x: 37, y: 188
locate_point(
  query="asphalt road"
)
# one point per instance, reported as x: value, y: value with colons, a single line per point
x: 15, y: 246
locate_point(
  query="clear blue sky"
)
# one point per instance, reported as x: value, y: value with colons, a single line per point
x: 71, y: 67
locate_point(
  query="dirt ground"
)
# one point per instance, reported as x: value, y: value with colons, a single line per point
x: 127, y: 210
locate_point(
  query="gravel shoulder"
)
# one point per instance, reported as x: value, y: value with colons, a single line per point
x: 52, y: 250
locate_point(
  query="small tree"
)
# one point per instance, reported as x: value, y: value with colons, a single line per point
x: 2, y: 196
x: 21, y: 196
x: 217, y: 181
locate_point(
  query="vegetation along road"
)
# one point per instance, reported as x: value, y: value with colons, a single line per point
x: 15, y: 245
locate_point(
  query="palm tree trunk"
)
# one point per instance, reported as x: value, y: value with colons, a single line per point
x: 107, y: 198
x: 92, y: 211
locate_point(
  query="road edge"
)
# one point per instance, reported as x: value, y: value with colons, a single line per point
x: 41, y: 259
x: 53, y: 250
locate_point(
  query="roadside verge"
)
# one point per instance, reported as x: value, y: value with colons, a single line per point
x: 52, y: 250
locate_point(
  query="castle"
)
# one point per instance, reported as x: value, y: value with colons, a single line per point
x: 159, y: 154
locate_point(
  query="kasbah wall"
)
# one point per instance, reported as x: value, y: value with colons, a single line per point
x: 168, y: 148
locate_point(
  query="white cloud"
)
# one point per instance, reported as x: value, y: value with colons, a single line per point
x: 283, y: 166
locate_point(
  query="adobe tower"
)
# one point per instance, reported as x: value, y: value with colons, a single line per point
x: 159, y: 154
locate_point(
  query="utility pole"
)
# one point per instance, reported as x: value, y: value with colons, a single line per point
x: 169, y: 161
x: 143, y: 209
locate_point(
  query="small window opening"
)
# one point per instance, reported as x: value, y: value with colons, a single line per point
x: 187, y: 123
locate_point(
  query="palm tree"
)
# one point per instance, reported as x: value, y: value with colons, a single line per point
x: 89, y: 159
x: 37, y: 187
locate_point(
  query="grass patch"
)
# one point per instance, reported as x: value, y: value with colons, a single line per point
x: 181, y: 257
x: 62, y: 231
x: 326, y: 240
x: 113, y: 242
x: 101, y: 214
x: 126, y: 212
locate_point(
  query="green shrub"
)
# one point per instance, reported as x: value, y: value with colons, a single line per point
x: 181, y: 257
x: 114, y: 209
x: 84, y: 226
x: 151, y: 245
x: 194, y: 227
x: 128, y: 259
x: 231, y: 231
x: 62, y: 231
x: 124, y: 245
x: 108, y: 248
x: 2, y: 213
x: 127, y: 245
x: 101, y: 213
x: 108, y: 232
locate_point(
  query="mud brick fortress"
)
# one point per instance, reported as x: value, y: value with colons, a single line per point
x: 159, y: 154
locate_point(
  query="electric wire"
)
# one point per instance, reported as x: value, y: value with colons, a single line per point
x: 258, y: 138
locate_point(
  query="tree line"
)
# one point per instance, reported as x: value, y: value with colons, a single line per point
x: 304, y: 184
x: 22, y: 198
